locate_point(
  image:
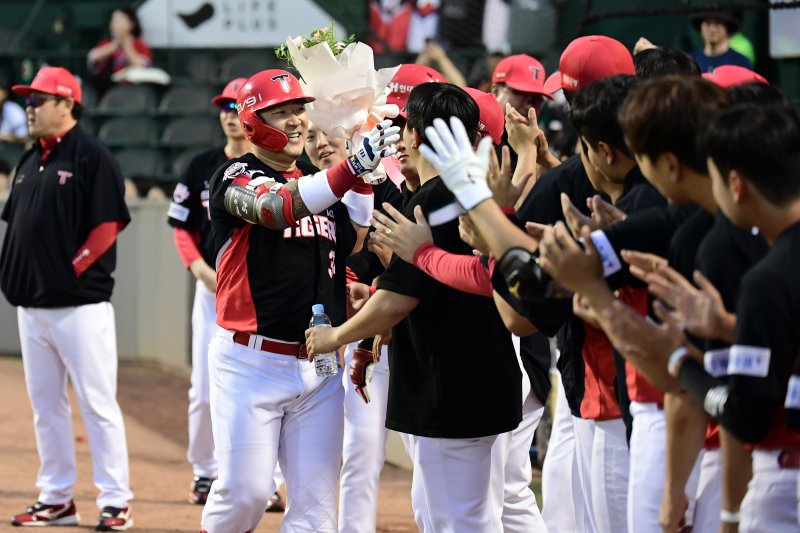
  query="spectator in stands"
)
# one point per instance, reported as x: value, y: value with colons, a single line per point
x: 13, y: 120
x: 716, y: 28
x: 123, y: 49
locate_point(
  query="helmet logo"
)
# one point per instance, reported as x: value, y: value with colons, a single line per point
x: 283, y: 79
x: 250, y: 101
x: 536, y: 71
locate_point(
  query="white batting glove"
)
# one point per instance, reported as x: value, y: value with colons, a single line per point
x: 463, y: 170
x: 379, y: 143
x: 377, y: 176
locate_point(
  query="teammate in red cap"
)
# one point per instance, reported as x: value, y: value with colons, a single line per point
x: 587, y: 59
x: 64, y: 212
x: 280, y: 240
x: 189, y: 216
x: 519, y: 80
x: 731, y: 75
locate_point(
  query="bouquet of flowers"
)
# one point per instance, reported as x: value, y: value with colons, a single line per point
x: 350, y: 94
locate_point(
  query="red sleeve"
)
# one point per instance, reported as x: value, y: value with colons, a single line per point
x: 186, y: 244
x: 143, y: 51
x: 461, y: 272
x: 97, y: 243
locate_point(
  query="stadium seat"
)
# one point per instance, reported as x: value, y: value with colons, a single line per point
x: 188, y: 100
x: 127, y: 100
x: 180, y: 163
x: 88, y: 126
x: 202, y: 68
x: 141, y: 163
x: 192, y: 132
x: 88, y: 96
x: 128, y: 132
x: 245, y: 64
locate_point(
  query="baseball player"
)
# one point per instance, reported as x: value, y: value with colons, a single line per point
x: 64, y: 212
x: 280, y: 237
x: 754, y: 153
x: 434, y: 371
x: 190, y: 217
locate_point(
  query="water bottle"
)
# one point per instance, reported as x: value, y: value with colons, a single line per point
x: 326, y: 364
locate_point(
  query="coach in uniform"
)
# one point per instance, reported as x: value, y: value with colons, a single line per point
x: 64, y: 212
x: 280, y: 239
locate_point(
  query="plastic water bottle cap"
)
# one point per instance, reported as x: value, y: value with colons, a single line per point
x: 318, y: 309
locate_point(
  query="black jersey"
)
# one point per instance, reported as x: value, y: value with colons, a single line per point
x: 453, y: 373
x: 267, y: 280
x: 189, y: 208
x: 767, y: 340
x: 543, y: 203
x: 50, y: 211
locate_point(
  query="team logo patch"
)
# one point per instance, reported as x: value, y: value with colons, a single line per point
x: 181, y: 193
x: 178, y: 212
x: 716, y: 362
x: 283, y: 79
x: 63, y: 176
x: 234, y: 170
x: 749, y: 361
x: 793, y: 393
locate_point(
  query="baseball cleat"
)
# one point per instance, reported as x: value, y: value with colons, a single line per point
x: 41, y: 514
x: 275, y: 504
x: 201, y: 486
x: 114, y: 519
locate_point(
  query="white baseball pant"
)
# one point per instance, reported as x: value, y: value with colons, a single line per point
x: 79, y: 344
x: 364, y: 449
x: 771, y: 500
x: 201, y: 439
x: 708, y: 497
x: 603, y: 464
x: 450, y: 484
x: 267, y: 408
x: 513, y: 500
x: 648, y: 450
x: 562, y: 500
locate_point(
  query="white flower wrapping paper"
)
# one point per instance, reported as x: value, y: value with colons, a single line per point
x: 347, y: 87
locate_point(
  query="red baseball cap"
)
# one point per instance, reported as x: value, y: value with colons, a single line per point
x: 52, y: 80
x: 492, y: 119
x: 229, y: 92
x: 732, y: 75
x: 589, y: 59
x: 522, y: 73
x: 405, y: 79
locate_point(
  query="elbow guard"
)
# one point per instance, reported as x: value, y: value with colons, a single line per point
x: 260, y: 202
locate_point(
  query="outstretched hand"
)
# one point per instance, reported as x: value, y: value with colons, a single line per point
x: 463, y: 170
x: 396, y: 232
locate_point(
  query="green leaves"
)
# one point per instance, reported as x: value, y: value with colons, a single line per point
x: 317, y: 36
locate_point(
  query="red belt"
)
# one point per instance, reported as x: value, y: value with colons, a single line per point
x: 789, y: 459
x: 267, y: 345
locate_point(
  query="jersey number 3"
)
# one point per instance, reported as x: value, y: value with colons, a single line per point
x: 332, y: 268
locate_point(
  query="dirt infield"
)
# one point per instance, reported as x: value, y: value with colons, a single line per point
x: 154, y: 404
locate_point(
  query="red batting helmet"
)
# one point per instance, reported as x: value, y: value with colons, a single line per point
x: 267, y: 89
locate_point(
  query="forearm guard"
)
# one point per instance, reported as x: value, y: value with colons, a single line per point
x: 267, y: 204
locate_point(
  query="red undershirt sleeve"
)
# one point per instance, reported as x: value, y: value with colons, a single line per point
x: 186, y: 244
x: 461, y: 272
x: 97, y: 243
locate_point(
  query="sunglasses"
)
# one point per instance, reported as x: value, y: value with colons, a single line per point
x: 227, y: 107
x: 36, y: 100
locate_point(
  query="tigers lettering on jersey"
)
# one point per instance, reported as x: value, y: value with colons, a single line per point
x: 321, y: 225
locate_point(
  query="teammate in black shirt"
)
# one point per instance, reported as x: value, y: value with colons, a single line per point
x: 190, y: 216
x: 64, y: 212
x: 437, y: 368
x: 281, y: 238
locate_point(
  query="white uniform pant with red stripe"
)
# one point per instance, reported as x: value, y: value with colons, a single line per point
x: 771, y: 500
x: 647, y: 468
x: 364, y: 448
x: 267, y: 408
x: 78, y: 344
